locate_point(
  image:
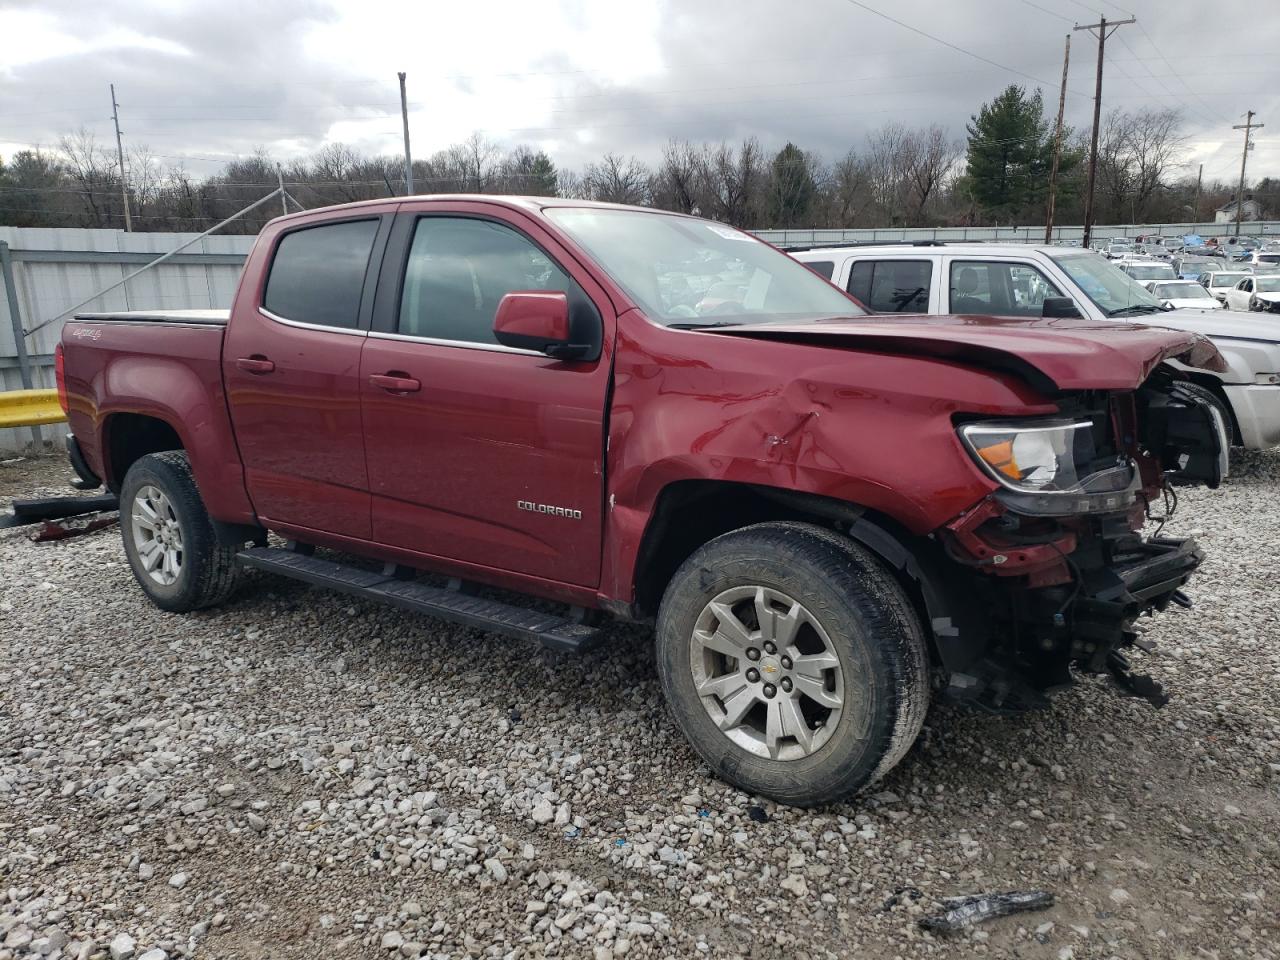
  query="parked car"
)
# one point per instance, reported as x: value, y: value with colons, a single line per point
x: 1035, y: 280
x: 649, y: 415
x: 1173, y: 294
x: 1117, y: 249
x: 1218, y: 282
x: 1260, y: 293
x: 1191, y: 267
x: 1265, y: 257
x: 1144, y: 270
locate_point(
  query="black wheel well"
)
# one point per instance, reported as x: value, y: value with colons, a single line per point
x: 1214, y: 386
x: 689, y: 513
x: 130, y: 437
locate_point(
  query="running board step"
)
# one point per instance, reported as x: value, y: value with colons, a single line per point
x: 556, y: 632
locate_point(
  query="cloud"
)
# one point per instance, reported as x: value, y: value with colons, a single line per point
x: 579, y: 77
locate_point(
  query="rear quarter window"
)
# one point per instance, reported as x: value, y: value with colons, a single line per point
x: 823, y: 268
x: 317, y: 273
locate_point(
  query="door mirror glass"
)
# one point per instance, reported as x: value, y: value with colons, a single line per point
x: 536, y: 320
x: 1059, y: 307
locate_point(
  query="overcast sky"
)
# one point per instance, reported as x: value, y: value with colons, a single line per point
x: 202, y: 82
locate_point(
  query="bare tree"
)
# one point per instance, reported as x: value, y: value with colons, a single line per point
x: 736, y: 183
x: 1136, y: 152
x: 930, y: 156
x: 680, y: 178
x: 849, y: 194
x: 92, y: 172
x: 617, y: 180
x: 887, y: 160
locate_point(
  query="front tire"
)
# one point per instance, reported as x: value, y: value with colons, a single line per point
x: 169, y: 538
x: 793, y: 662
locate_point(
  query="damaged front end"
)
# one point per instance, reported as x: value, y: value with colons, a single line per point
x: 1060, y: 568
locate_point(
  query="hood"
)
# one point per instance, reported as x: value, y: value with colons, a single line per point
x: 1190, y: 303
x: 1228, y: 324
x: 1051, y: 354
x: 1267, y: 297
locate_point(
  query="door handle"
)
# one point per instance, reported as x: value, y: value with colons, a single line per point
x: 256, y: 364
x: 396, y: 382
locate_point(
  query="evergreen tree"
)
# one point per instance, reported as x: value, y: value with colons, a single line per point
x: 1010, y: 152
x: 793, y: 189
x: 543, y: 181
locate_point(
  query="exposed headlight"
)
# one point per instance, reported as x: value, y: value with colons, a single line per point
x: 1040, y: 456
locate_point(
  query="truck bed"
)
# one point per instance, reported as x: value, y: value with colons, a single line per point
x: 161, y: 370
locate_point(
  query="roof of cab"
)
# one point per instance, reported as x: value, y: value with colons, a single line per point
x: 529, y: 204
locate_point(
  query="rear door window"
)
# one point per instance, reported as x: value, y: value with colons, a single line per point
x: 892, y: 286
x: 1000, y: 288
x: 317, y: 274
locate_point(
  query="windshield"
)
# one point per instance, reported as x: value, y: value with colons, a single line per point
x: 1106, y: 285
x: 1155, y: 271
x: 1269, y: 284
x: 1226, y: 279
x: 1268, y: 258
x: 1181, y: 291
x: 687, y: 272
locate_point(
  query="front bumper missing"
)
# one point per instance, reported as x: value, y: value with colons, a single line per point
x: 1082, y: 625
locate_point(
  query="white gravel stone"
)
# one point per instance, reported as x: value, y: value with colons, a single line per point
x: 392, y: 940
x: 496, y: 869
x: 543, y: 812
x: 123, y: 947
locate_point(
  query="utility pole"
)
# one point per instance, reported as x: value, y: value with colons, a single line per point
x: 408, y: 158
x: 124, y: 184
x: 1195, y: 212
x: 1104, y: 29
x: 1248, y: 127
x: 1057, y: 146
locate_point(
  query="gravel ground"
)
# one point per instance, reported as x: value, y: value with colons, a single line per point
x: 298, y: 775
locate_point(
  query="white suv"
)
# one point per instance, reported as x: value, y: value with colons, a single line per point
x: 1018, y: 280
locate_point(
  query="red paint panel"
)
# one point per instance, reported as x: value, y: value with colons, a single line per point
x: 298, y: 426
x: 170, y: 372
x: 450, y: 463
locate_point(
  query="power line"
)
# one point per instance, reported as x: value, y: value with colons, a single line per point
x: 1172, y: 69
x: 946, y: 43
x: 1051, y: 13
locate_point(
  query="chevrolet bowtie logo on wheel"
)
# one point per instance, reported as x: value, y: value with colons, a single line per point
x: 547, y: 508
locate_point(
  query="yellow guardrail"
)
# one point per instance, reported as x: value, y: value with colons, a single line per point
x: 28, y: 408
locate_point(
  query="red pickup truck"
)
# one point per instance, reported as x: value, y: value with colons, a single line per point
x: 654, y: 417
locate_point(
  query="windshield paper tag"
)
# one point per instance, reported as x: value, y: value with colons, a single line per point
x: 728, y: 232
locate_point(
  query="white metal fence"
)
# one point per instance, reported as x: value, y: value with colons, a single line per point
x: 1028, y: 234
x: 54, y: 268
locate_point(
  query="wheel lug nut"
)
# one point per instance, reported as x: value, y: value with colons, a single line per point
x: 753, y: 653
x: 786, y: 663
x: 769, y: 648
x: 753, y: 675
x: 786, y: 684
x: 770, y: 690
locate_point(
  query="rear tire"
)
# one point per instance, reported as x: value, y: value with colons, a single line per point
x: 829, y: 707
x: 169, y: 538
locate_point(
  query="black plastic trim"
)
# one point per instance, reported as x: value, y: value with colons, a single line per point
x: 87, y: 479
